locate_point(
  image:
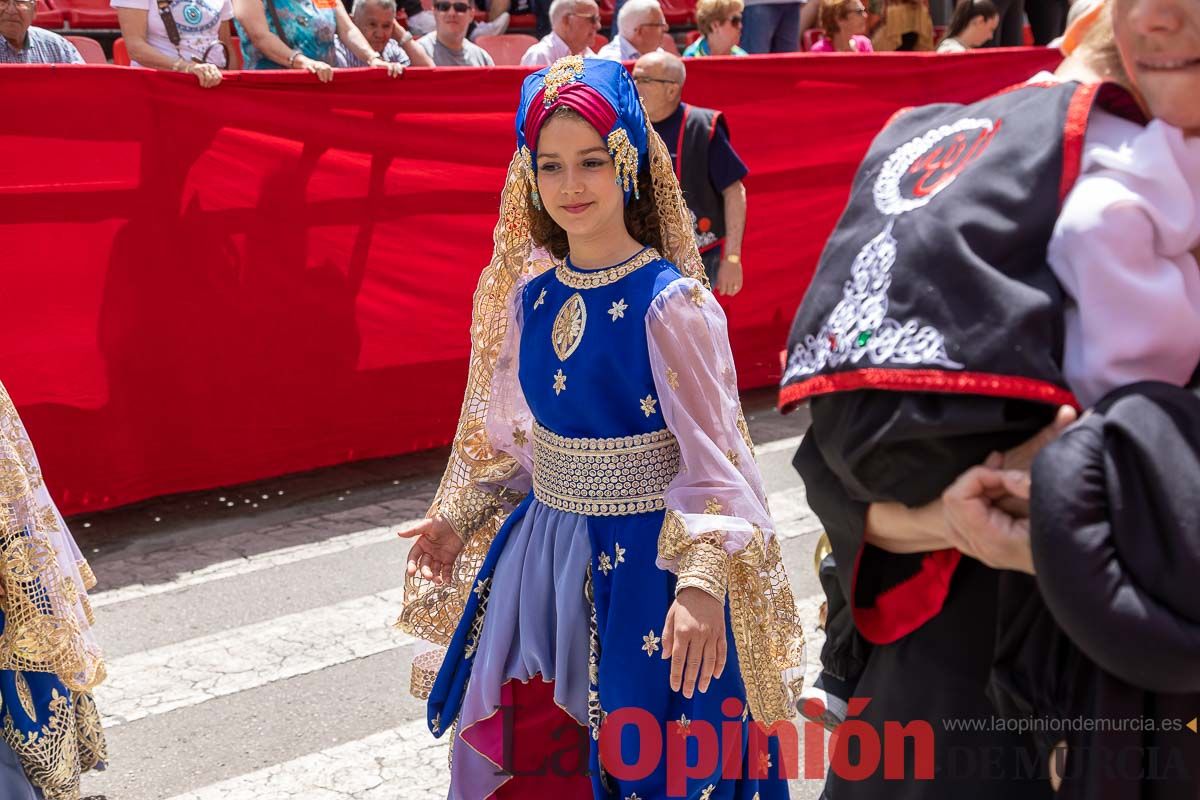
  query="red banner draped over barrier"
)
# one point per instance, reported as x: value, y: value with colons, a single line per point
x: 202, y: 288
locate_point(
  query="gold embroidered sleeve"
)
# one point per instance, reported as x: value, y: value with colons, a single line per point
x: 466, y: 508
x: 700, y: 562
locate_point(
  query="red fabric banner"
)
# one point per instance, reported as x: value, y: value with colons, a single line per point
x: 205, y: 287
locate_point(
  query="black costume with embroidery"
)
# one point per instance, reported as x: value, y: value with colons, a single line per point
x: 930, y: 337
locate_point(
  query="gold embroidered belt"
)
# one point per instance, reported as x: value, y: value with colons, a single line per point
x: 604, y: 477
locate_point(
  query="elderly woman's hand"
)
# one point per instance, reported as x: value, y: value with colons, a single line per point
x: 209, y: 75
x: 394, y: 70
x: 323, y: 71
x: 978, y: 526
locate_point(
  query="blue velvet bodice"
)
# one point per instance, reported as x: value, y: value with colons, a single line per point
x: 606, y: 388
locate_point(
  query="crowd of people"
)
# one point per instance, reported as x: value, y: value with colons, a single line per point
x: 320, y: 36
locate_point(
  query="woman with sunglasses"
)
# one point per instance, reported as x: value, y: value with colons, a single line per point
x: 845, y: 24
x: 181, y: 35
x: 720, y: 24
x: 301, y: 34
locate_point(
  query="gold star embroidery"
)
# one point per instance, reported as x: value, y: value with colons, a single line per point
x: 541, y: 299
x: 732, y: 456
x: 605, y: 563
x: 618, y: 310
x: 672, y: 378
x: 482, y: 586
x: 684, y: 724
x: 707, y: 793
x: 712, y: 506
x: 437, y: 723
x: 697, y: 293
x: 560, y: 383
x: 648, y: 404
x: 633, y: 796
x: 620, y: 556
x: 650, y: 642
x: 521, y: 439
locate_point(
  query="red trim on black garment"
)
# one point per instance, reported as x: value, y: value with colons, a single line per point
x: 897, y: 115
x: 679, y: 143
x: 908, y: 605
x: 1074, y: 130
x: 927, y: 380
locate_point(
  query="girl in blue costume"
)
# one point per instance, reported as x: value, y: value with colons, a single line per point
x: 49, y: 661
x: 600, y: 541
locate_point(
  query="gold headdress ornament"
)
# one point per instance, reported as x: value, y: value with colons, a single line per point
x: 472, y: 503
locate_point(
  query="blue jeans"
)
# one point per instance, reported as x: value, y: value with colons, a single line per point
x: 771, y: 28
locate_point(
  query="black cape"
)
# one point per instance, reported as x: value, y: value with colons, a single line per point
x: 1114, y: 634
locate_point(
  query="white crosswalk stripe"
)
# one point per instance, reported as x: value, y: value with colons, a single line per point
x: 197, y: 670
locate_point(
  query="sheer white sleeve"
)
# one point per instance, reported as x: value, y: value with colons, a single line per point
x: 717, y: 500
x: 509, y: 422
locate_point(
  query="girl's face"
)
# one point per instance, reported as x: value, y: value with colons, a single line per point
x: 1159, y: 42
x: 577, y: 180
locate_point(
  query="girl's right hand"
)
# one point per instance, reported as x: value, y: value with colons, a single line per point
x: 434, y: 549
x: 323, y: 71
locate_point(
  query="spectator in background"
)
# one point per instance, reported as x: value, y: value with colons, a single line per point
x: 190, y: 36
x: 972, y: 25
x: 845, y: 25
x: 376, y: 21
x: 498, y: 17
x: 447, y: 45
x: 575, y: 23
x: 710, y: 172
x: 21, y: 43
x: 641, y: 25
x: 771, y: 26
x: 906, y: 26
x: 720, y: 23
x: 1047, y: 19
x: 301, y: 34
x: 420, y: 19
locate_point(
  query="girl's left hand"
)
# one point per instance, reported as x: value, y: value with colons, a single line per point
x: 694, y: 640
x: 394, y: 70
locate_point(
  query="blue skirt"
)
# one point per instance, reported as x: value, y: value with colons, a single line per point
x: 532, y: 614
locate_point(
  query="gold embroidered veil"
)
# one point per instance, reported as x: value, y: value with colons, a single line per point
x: 47, y: 625
x: 471, y: 501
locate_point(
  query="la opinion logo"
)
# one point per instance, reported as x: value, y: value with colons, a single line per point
x: 922, y: 167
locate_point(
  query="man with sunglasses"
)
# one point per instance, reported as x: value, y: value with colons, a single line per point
x: 447, y: 45
x: 21, y: 43
x: 574, y: 25
x: 709, y: 169
x: 641, y: 24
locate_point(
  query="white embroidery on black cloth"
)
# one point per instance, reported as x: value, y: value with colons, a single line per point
x: 859, y: 327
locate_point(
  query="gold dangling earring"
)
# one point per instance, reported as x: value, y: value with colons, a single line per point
x: 527, y: 158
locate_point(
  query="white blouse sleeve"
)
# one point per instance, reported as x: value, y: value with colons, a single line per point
x: 509, y: 422
x: 718, y: 495
x: 1122, y: 250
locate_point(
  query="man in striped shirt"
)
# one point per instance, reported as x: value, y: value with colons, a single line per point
x: 20, y: 43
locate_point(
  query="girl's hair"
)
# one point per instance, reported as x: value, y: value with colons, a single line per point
x: 711, y: 12
x: 832, y: 12
x: 641, y: 214
x: 967, y: 10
